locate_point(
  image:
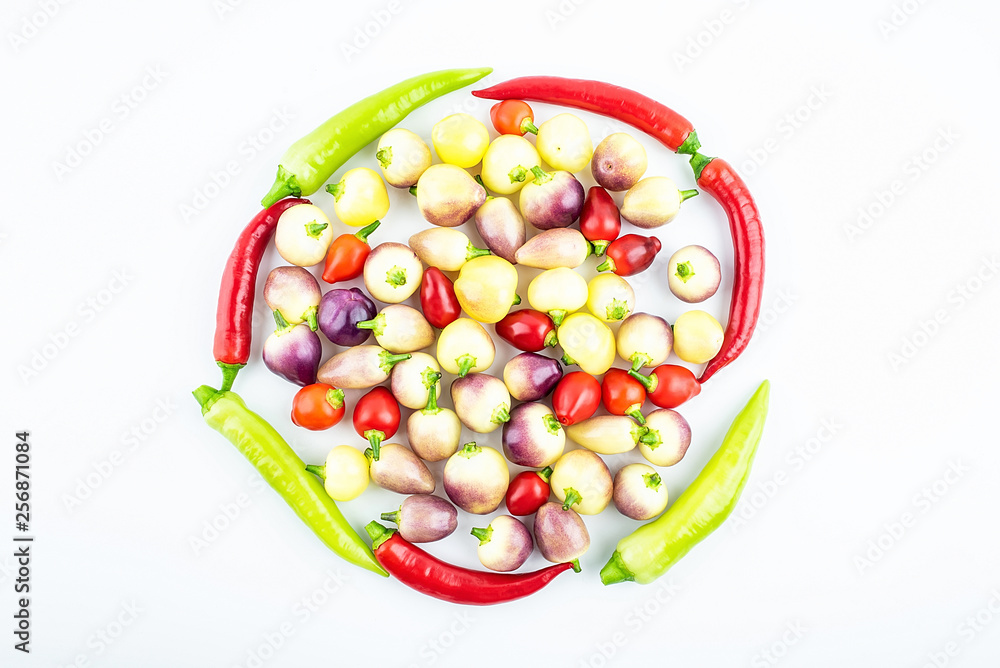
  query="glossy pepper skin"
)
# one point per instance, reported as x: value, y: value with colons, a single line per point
x: 528, y: 330
x: 720, y: 180
x: 429, y: 575
x: 653, y: 548
x: 623, y: 395
x: 660, y: 122
x: 437, y: 298
x: 312, y: 160
x: 346, y: 258
x: 669, y: 385
x: 630, y: 254
x: 513, y: 117
x: 600, y: 221
x: 376, y: 417
x: 576, y: 398
x: 528, y: 491
x: 282, y: 469
x: 234, y: 314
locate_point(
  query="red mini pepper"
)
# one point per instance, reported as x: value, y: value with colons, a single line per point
x: 234, y: 315
x: 576, y: 397
x: 600, y: 221
x: 527, y: 491
x: 429, y: 575
x: 527, y: 330
x: 376, y: 417
x: 437, y: 298
x: 669, y: 385
x: 623, y: 394
x: 513, y: 117
x: 346, y: 258
x: 318, y: 406
x: 630, y: 254
x: 719, y: 179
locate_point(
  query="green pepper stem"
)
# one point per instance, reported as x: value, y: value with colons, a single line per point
x: 572, y: 496
x: 378, y: 533
x: 472, y: 251
x: 387, y: 360
x: 335, y: 397
x: 375, y: 437
x: 470, y: 450
x: 640, y: 360
x: 285, y: 185
x: 479, y: 180
x: 651, y: 438
x: 607, y: 265
x: 336, y: 189
x: 314, y: 229
x: 545, y: 473
x: 500, y: 414
x: 616, y: 571
x: 413, y: 190
x: 279, y: 320
x: 600, y: 246
x: 551, y: 340
x: 557, y: 316
x: 552, y: 424
x: 363, y: 234
x: 377, y: 324
x: 518, y: 174
x: 317, y: 470
x: 229, y: 372
x: 465, y: 364
x: 653, y: 480
x: 688, y: 194
x: 635, y: 412
x: 649, y: 382
x: 384, y: 156
x: 567, y: 360
x: 310, y: 317
x: 541, y: 176
x: 483, y: 535
x: 204, y: 393
x: 684, y: 271
x: 698, y: 164
x: 690, y: 144
x: 528, y: 126
x: 432, y: 405
x: 517, y: 300
x: 576, y: 565
x: 392, y: 516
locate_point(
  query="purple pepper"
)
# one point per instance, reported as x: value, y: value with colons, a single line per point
x: 553, y: 199
x: 340, y: 311
x: 293, y: 352
x: 423, y: 518
x: 530, y: 376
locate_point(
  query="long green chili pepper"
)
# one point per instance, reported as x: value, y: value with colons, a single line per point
x: 310, y: 161
x: 282, y: 469
x: 649, y: 551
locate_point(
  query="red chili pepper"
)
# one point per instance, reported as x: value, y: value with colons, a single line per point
x: 346, y: 258
x: 513, y: 117
x: 376, y: 417
x: 234, y: 315
x: 662, y: 123
x: 527, y: 330
x: 318, y: 406
x: 669, y: 385
x: 437, y: 298
x: 718, y: 178
x: 576, y: 397
x: 429, y: 575
x: 630, y: 254
x: 623, y: 394
x: 600, y: 220
x: 528, y: 491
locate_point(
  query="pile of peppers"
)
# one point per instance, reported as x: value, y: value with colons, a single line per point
x: 641, y: 556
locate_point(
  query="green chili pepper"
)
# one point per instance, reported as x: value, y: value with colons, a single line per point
x: 649, y: 551
x: 310, y: 161
x: 282, y: 469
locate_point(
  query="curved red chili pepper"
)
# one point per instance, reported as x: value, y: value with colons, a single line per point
x: 429, y: 575
x: 437, y: 298
x: 600, y: 220
x: 346, y: 258
x: 527, y: 329
x: 660, y: 122
x: 719, y: 179
x: 234, y: 314
x: 630, y: 254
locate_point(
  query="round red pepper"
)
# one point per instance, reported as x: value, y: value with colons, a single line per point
x: 513, y: 117
x: 600, y: 220
x: 346, y: 258
x: 528, y: 491
x: 527, y: 330
x: 630, y: 254
x: 376, y: 417
x: 437, y: 298
x: 623, y: 394
x: 576, y: 397
x: 318, y: 406
x: 669, y: 385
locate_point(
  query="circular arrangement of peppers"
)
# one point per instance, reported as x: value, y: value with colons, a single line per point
x: 641, y: 556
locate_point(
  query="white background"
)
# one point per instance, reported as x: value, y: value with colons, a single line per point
x: 820, y: 572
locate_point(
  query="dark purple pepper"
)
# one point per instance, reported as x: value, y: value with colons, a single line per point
x: 293, y: 352
x: 340, y: 311
x: 530, y: 376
